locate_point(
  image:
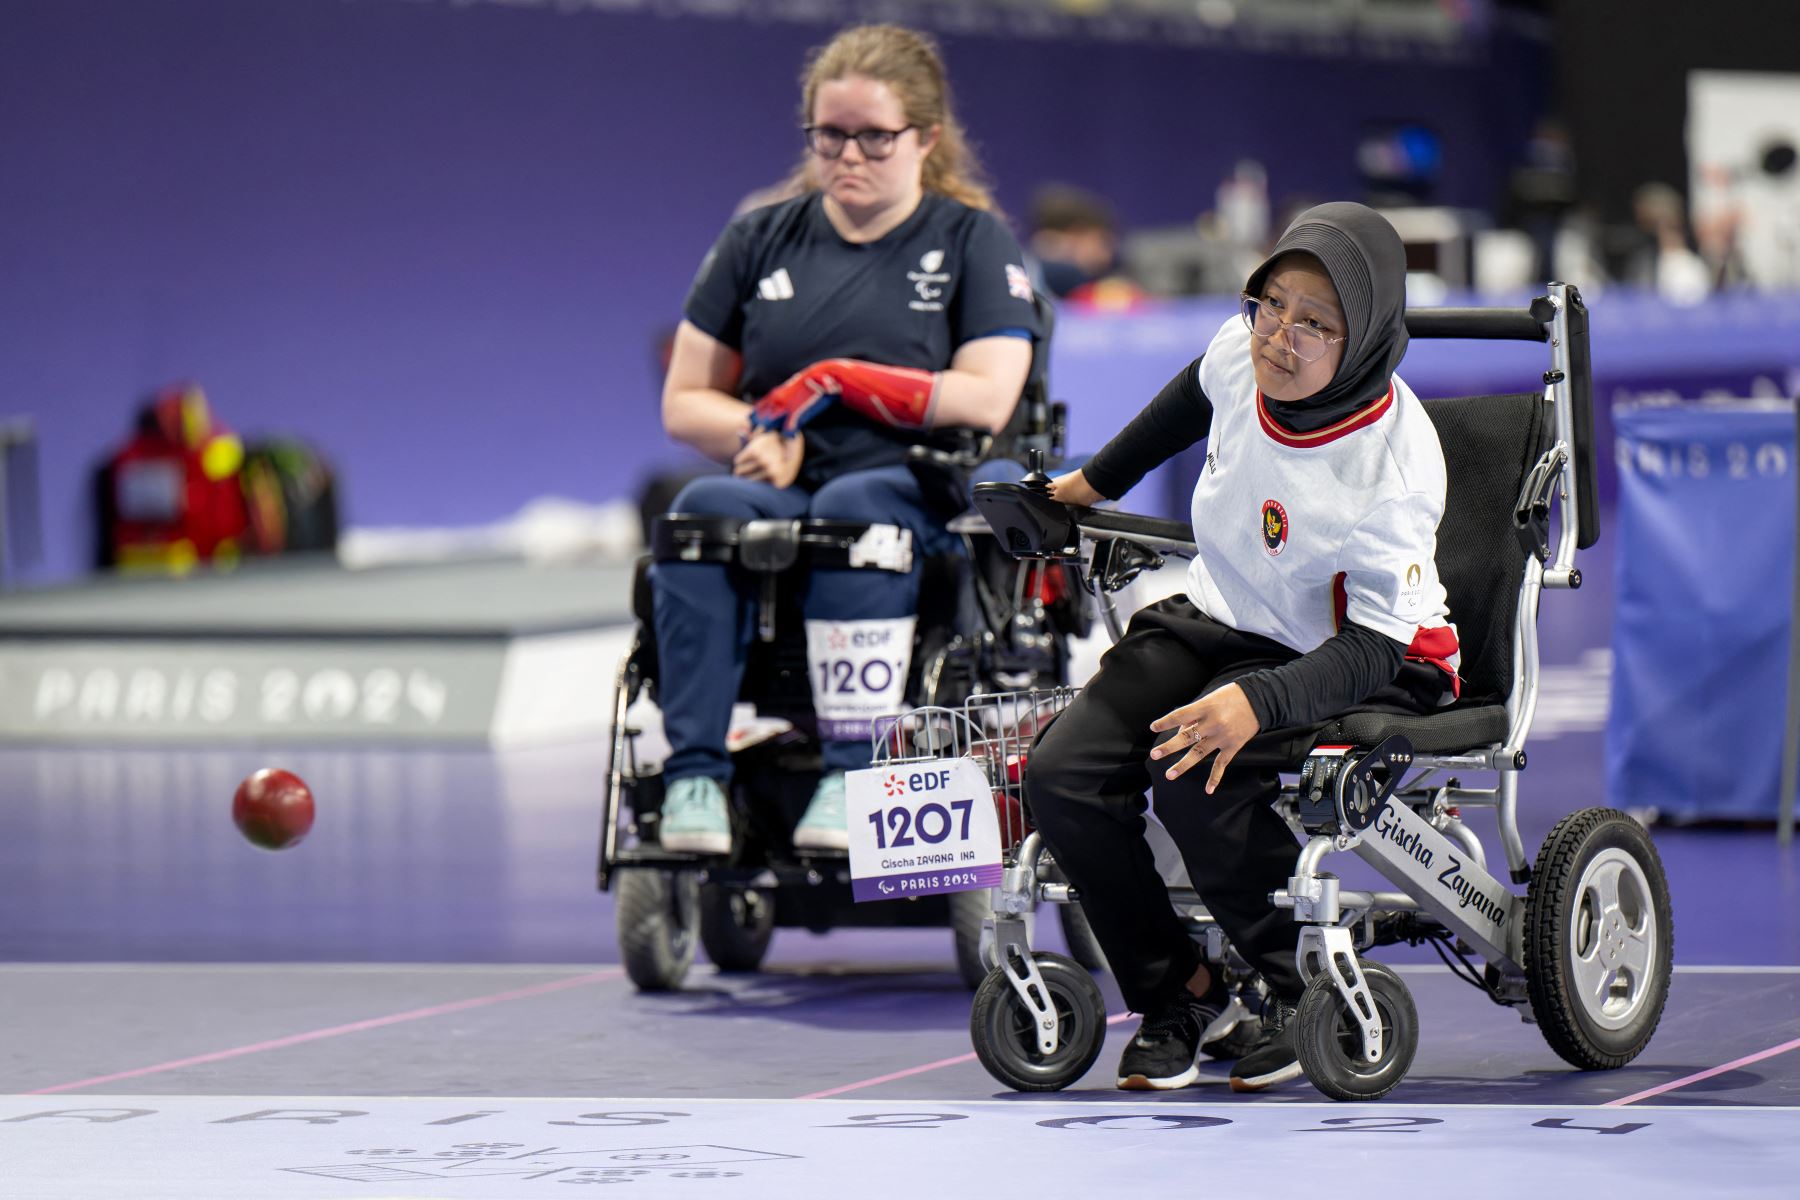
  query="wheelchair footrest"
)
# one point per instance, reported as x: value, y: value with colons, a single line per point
x: 771, y: 546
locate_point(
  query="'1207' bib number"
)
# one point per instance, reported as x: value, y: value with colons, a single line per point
x: 919, y: 829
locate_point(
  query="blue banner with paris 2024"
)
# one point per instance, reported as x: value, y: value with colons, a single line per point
x: 921, y: 829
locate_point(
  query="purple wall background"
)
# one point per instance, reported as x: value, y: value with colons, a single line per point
x: 437, y: 241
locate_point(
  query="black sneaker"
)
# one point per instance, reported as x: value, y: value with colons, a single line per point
x: 1164, y: 1052
x: 1274, y: 1060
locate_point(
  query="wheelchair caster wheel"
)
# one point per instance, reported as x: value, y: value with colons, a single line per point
x: 1329, y: 1040
x: 1005, y: 1033
x: 1599, y: 939
x: 655, y: 912
x: 736, y: 925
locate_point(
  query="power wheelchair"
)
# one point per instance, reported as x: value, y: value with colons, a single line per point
x: 986, y: 622
x: 1585, y: 953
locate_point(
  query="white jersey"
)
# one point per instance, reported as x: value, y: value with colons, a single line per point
x: 1299, y: 532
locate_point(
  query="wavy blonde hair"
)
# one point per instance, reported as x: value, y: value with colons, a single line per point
x: 910, y: 65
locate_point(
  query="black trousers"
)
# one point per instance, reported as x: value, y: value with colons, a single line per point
x: 1086, y: 786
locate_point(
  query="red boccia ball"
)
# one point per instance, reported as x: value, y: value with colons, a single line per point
x: 273, y: 809
x: 1011, y: 815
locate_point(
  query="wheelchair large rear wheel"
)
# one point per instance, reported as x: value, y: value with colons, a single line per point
x: 656, y: 913
x: 1599, y: 939
x: 736, y: 925
x: 1328, y: 1039
x: 1004, y: 1031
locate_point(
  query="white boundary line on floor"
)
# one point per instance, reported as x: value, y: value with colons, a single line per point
x: 548, y: 968
x: 1025, y: 1102
x: 1722, y: 969
x: 347, y: 968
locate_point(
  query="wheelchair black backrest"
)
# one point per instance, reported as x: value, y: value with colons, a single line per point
x: 1490, y: 444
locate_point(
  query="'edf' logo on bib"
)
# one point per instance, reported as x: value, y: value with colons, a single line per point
x: 1274, y: 527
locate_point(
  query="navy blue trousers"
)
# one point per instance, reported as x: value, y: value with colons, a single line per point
x: 705, y: 612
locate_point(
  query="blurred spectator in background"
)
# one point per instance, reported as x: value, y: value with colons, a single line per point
x: 1663, y: 257
x: 1075, y: 246
x: 1747, y: 217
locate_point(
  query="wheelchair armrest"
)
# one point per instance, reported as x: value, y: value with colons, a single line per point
x: 1030, y: 524
x: 1156, y: 533
x: 969, y: 451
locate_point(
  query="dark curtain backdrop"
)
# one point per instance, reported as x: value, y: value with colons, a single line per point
x: 1622, y: 69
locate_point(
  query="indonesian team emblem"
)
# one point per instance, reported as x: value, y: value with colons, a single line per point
x: 1274, y: 526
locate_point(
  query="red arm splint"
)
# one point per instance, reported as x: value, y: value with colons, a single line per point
x: 903, y: 397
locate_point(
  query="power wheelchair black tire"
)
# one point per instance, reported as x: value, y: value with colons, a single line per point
x: 1597, y: 886
x: 1005, y: 1035
x: 657, y: 920
x: 736, y: 926
x: 1328, y: 1040
x: 1084, y: 947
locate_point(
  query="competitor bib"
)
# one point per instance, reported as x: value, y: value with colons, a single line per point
x: 921, y: 829
x: 858, y: 671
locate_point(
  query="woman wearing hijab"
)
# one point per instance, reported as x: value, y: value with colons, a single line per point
x: 1315, y: 589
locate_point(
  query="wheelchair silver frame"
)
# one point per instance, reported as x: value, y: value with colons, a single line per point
x: 1483, y: 913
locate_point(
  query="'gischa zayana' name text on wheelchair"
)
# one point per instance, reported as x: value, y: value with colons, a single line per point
x: 1585, y: 952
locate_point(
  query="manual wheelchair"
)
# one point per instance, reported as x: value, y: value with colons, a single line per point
x: 1585, y: 953
x: 986, y: 622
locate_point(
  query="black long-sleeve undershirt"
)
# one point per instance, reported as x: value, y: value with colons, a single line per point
x: 1335, y: 675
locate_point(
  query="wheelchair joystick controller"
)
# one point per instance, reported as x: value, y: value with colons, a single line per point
x: 1027, y: 519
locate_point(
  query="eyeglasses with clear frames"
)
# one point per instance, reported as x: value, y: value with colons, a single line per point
x: 828, y: 141
x: 1307, y: 343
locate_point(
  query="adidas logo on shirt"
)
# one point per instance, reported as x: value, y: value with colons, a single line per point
x: 777, y: 286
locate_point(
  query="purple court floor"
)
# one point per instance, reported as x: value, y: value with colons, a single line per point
x: 424, y: 1000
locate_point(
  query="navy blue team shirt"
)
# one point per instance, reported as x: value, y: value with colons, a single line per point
x: 784, y: 290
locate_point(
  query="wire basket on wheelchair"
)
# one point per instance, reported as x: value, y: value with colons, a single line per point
x: 994, y: 730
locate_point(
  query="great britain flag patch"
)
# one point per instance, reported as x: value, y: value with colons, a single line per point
x: 1017, y: 283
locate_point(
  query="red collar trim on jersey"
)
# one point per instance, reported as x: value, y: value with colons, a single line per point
x: 1331, y: 433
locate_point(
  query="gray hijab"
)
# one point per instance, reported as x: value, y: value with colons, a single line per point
x: 1367, y: 264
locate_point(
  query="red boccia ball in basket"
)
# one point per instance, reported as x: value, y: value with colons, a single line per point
x: 1007, y: 807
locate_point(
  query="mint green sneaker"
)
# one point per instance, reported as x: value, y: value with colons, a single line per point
x: 694, y: 820
x: 823, y: 827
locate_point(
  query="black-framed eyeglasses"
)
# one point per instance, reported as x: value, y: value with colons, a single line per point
x: 1307, y: 343
x: 828, y: 141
